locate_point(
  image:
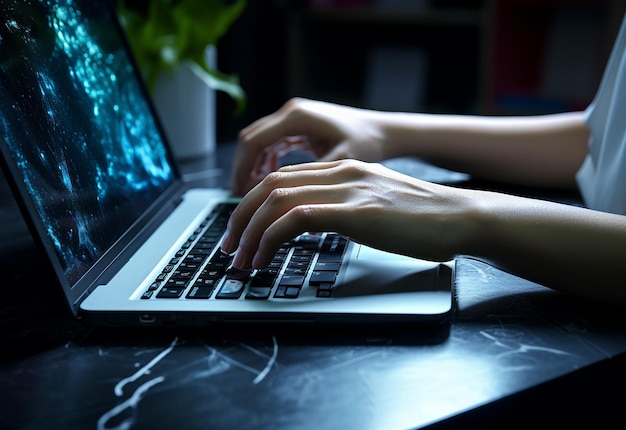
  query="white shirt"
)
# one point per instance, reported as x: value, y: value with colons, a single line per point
x: 602, y: 176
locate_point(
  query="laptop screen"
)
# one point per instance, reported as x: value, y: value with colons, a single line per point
x: 77, y: 126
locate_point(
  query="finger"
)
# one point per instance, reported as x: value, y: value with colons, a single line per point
x: 288, y: 121
x: 259, y: 173
x: 262, y: 169
x: 253, y: 140
x: 294, y: 201
x: 267, y: 121
x: 312, y: 167
x: 298, y: 220
x: 285, y: 178
x: 249, y: 155
x: 260, y: 165
x: 252, y: 182
x: 244, y: 162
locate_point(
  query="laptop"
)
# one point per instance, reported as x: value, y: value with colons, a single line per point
x: 131, y: 243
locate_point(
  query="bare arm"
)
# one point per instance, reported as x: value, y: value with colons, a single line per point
x: 567, y: 248
x: 544, y: 150
x: 535, y: 150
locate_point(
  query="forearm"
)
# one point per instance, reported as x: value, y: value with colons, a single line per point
x: 571, y: 249
x: 544, y: 150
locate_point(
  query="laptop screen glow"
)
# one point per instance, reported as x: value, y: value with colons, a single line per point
x: 89, y: 118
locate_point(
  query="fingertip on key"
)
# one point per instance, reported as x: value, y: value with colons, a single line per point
x: 227, y: 243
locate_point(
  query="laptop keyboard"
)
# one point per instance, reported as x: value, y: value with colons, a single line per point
x: 199, y: 270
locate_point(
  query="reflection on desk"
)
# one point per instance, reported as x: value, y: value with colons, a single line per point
x: 513, y: 352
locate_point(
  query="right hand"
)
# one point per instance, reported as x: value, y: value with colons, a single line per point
x: 366, y: 202
x: 332, y: 131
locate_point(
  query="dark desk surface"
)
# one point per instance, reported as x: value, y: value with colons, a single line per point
x: 514, y: 354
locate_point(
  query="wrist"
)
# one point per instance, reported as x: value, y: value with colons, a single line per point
x: 471, y: 230
x: 407, y: 134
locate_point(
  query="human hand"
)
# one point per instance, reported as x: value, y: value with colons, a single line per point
x: 330, y: 131
x: 366, y: 202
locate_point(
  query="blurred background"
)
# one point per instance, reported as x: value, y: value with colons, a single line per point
x: 448, y: 56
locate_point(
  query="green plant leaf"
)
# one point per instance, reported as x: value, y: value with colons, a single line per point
x: 167, y: 34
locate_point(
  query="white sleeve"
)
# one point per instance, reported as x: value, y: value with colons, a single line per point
x: 602, y: 176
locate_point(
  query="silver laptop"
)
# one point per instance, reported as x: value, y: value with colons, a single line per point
x: 130, y: 243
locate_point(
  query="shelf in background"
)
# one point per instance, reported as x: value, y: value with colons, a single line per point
x: 547, y: 56
x: 475, y: 57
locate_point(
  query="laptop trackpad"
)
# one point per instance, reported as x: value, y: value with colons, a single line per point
x: 379, y: 272
x: 367, y: 253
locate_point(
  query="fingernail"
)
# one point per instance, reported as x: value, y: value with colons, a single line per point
x: 238, y: 259
x: 227, y: 243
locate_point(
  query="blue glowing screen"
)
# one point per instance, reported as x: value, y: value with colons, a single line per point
x: 77, y: 125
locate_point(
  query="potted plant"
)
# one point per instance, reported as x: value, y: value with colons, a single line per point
x: 174, y: 43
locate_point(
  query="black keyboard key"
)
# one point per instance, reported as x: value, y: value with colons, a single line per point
x: 268, y: 271
x: 176, y: 283
x: 323, y: 293
x: 275, y: 264
x: 203, y: 246
x: 283, y: 292
x: 220, y: 261
x: 329, y: 257
x: 262, y: 281
x: 334, y: 243
x: 231, y: 289
x: 308, y: 241
x: 324, y: 290
x: 295, y: 271
x: 200, y: 292
x: 211, y: 273
x: 322, y: 277
x: 198, y: 259
x: 298, y: 264
x: 189, y: 265
x: 206, y: 282
x: 292, y: 292
x: 258, y: 293
x: 170, y: 292
x: 291, y: 280
x: 321, y: 265
x: 201, y: 252
x: 300, y: 259
x: 239, y: 274
x: 183, y: 274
